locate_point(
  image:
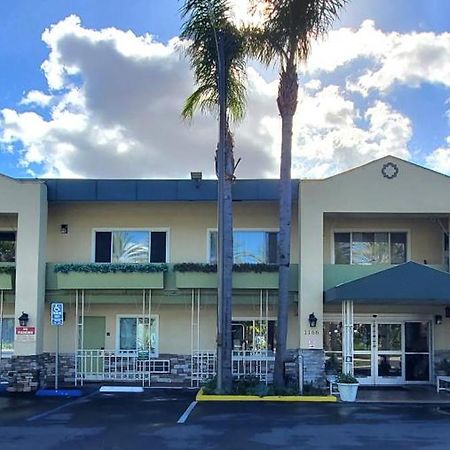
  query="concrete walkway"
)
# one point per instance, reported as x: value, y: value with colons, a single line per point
x: 403, y: 394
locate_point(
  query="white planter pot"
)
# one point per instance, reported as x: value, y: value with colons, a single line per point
x: 348, y: 391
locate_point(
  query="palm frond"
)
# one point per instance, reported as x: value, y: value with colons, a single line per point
x: 204, y: 21
x: 290, y: 26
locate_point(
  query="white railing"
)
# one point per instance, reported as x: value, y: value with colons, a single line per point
x: 257, y: 363
x: 111, y: 365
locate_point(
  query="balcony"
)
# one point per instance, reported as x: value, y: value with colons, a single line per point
x: 259, y: 278
x: 98, y: 276
x: 7, y: 271
x: 105, y: 276
x: 335, y: 274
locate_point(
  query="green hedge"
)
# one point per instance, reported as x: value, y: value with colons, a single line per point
x: 110, y: 268
x: 7, y: 269
x: 212, y: 268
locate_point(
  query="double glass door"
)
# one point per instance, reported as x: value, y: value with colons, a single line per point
x: 391, y: 353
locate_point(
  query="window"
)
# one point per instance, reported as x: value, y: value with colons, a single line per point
x: 370, y: 248
x: 7, y: 343
x: 254, y: 334
x: 136, y: 335
x: 7, y: 246
x: 133, y: 246
x: 250, y: 247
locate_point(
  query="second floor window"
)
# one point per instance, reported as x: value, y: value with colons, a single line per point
x: 7, y: 246
x: 133, y: 246
x: 370, y: 248
x: 249, y: 247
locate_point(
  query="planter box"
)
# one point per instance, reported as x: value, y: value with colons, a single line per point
x: 348, y: 391
x: 241, y: 280
x: 118, y: 280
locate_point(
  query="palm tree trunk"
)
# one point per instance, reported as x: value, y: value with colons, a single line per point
x: 287, y: 104
x: 227, y: 290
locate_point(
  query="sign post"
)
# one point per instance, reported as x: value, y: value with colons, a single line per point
x: 57, y: 320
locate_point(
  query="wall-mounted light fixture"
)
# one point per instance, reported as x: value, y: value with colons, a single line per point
x: 23, y: 319
x: 437, y: 319
x: 64, y: 228
x: 197, y: 177
x: 312, y: 319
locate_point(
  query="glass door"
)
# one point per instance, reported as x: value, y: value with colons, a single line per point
x: 363, y: 352
x: 388, y: 353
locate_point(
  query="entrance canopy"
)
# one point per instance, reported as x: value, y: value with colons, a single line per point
x: 406, y: 283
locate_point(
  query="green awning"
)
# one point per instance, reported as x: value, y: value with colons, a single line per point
x: 406, y: 283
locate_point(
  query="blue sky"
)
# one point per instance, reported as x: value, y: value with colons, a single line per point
x: 108, y: 102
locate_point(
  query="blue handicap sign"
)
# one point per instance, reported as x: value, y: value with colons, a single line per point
x: 57, y: 314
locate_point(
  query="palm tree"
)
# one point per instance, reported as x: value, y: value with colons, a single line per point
x: 288, y: 29
x: 217, y: 53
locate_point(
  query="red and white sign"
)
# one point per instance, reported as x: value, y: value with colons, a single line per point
x: 25, y: 334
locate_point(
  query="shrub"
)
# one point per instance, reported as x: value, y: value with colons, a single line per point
x: 346, y: 378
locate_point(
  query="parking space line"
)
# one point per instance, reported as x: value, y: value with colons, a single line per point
x: 59, y: 408
x: 188, y: 411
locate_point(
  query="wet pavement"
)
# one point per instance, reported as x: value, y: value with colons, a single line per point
x: 117, y: 421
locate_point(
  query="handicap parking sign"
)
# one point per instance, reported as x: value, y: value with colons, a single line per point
x: 57, y: 314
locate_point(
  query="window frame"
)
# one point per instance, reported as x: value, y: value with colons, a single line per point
x: 254, y: 319
x: 208, y: 238
x: 149, y: 230
x: 118, y: 350
x: 9, y: 353
x: 370, y: 230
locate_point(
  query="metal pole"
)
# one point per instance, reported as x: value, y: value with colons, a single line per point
x: 57, y: 358
x: 77, y: 336
x: 150, y: 334
x: 221, y: 307
x: 2, y: 294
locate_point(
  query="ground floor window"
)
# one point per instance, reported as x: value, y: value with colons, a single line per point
x: 254, y: 334
x: 7, y: 336
x: 138, y: 334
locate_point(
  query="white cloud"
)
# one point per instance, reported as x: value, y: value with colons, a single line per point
x: 439, y: 159
x: 114, y: 102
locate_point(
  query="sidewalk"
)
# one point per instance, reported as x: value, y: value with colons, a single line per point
x: 403, y: 394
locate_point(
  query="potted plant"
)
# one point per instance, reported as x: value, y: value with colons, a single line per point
x: 348, y: 387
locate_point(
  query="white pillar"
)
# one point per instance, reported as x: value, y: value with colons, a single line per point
x: 347, y: 337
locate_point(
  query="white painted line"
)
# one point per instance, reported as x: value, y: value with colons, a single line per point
x: 51, y: 411
x: 188, y: 411
x: 121, y: 389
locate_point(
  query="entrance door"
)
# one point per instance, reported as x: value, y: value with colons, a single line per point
x: 391, y: 352
x: 378, y: 352
x: 388, y: 353
x: 94, y: 333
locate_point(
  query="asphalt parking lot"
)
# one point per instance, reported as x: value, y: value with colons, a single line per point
x: 149, y: 420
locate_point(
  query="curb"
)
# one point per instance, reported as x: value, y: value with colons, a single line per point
x: 201, y: 397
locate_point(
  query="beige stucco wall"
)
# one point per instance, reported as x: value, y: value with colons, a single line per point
x: 424, y: 234
x: 187, y: 223
x: 363, y: 190
x: 27, y: 200
x: 174, y: 325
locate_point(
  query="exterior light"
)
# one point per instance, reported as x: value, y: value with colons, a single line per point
x: 312, y: 320
x: 437, y: 319
x: 23, y: 319
x: 64, y: 228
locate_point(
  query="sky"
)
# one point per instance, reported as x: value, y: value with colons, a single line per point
x: 94, y: 88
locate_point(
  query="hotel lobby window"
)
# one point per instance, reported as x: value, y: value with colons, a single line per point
x: 370, y: 248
